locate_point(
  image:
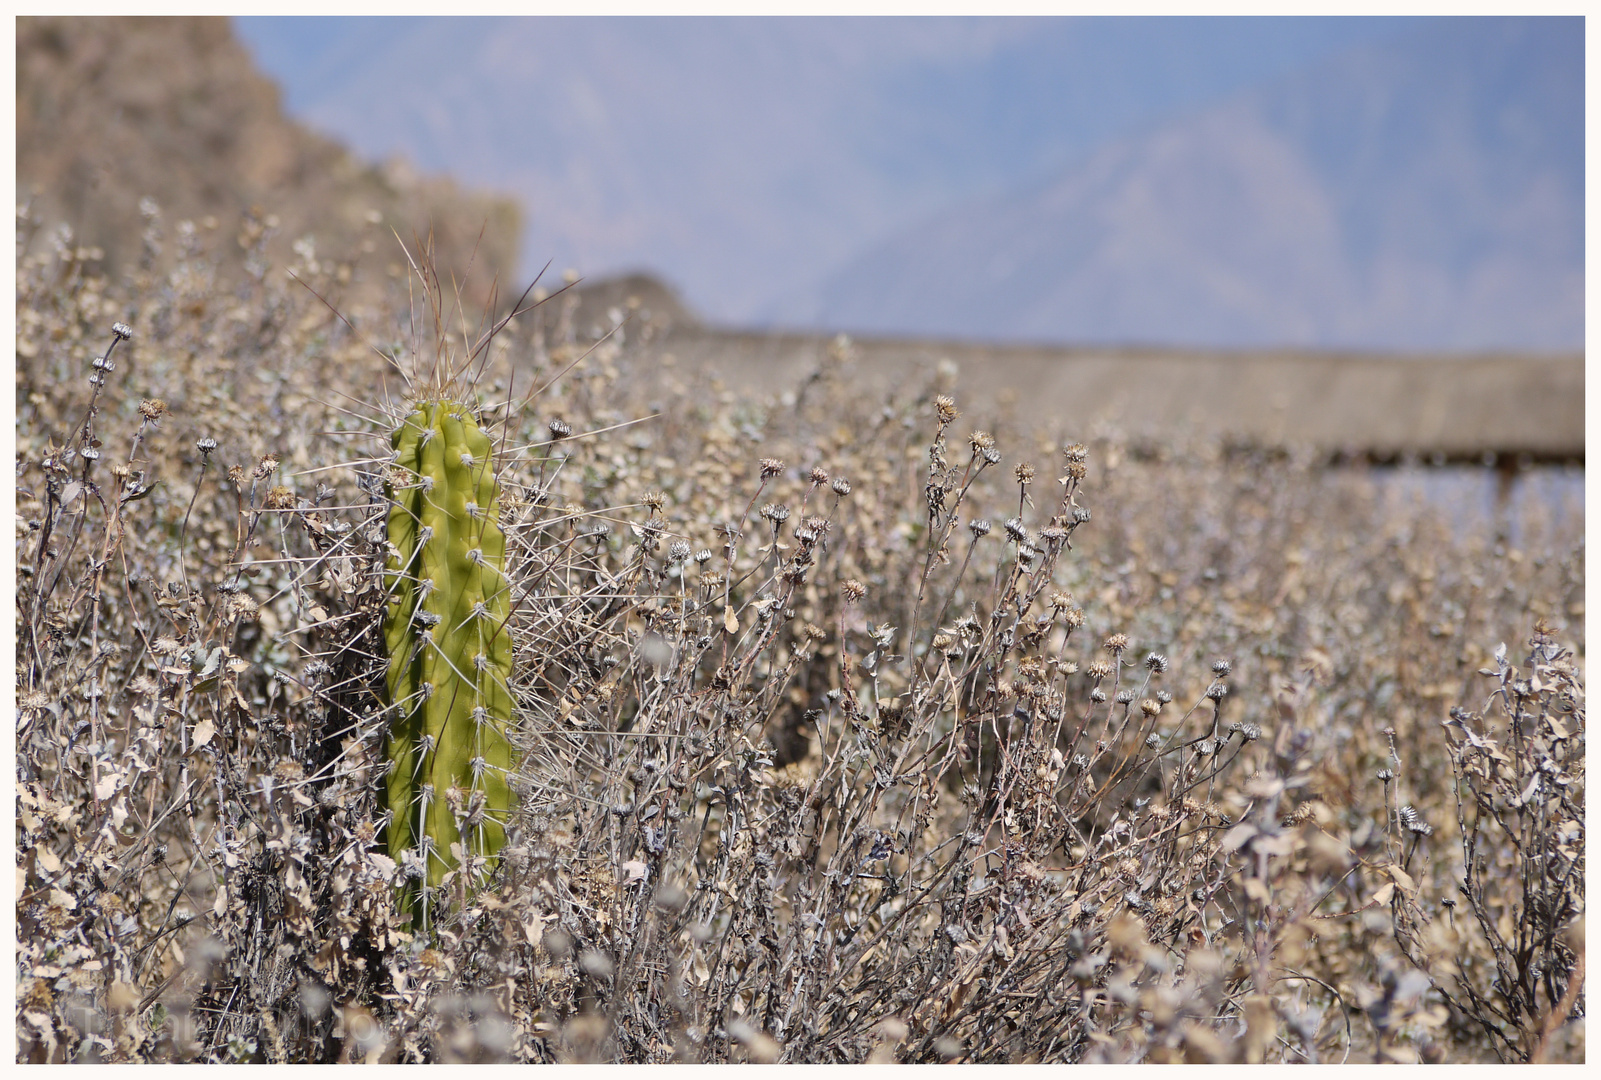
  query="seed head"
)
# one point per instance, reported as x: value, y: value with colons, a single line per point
x: 1075, y: 454
x: 841, y: 486
x: 991, y: 455
x: 852, y: 590
x: 777, y: 513
x: 266, y: 466
x: 1413, y: 821
x: 770, y: 467
x: 1024, y: 473
x: 1217, y: 691
x: 559, y: 429
x: 1150, y: 708
x: 152, y: 408
x: 703, y: 556
x: 1074, y: 618
x: 1098, y: 670
x: 945, y: 408
x: 1081, y: 514
x: 981, y: 441
x: 1156, y: 662
x: 1222, y: 668
x: 1385, y: 775
x: 819, y: 476
x: 980, y: 527
x: 1116, y: 644
x: 122, y: 331
x: 279, y: 498
x: 1016, y: 530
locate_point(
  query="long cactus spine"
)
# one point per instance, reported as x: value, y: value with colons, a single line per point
x: 449, y: 649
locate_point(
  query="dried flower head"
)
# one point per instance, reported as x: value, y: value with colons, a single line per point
x: 980, y: 527
x: 945, y: 408
x: 852, y: 590
x: 980, y: 441
x: 1024, y: 472
x: 1098, y: 670
x: 1413, y: 821
x: 1116, y: 644
x: 840, y: 486
x: 678, y: 551
x: 122, y: 331
x: 266, y: 466
x: 770, y: 467
x: 1017, y: 530
x: 818, y: 476
x: 1075, y: 453
x: 279, y: 498
x: 1222, y: 668
x: 559, y: 429
x: 152, y: 408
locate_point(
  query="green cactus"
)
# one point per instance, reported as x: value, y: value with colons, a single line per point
x: 449, y: 650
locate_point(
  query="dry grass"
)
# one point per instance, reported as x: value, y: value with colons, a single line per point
x: 1158, y: 766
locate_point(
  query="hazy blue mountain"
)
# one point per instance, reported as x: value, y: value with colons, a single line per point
x: 1426, y: 192
x: 746, y: 160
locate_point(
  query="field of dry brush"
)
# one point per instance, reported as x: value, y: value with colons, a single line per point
x: 844, y: 731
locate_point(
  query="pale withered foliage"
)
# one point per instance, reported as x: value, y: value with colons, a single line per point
x: 835, y: 738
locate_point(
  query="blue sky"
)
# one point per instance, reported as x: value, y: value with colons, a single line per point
x: 752, y: 162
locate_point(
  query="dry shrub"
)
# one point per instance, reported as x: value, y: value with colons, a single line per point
x: 846, y: 733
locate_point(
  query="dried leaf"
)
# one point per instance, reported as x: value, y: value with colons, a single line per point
x: 1236, y: 837
x: 1403, y: 879
x: 107, y: 786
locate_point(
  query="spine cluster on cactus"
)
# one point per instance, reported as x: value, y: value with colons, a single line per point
x: 449, y: 650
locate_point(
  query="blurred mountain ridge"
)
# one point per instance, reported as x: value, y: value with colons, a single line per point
x: 1420, y: 194
x: 112, y: 112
